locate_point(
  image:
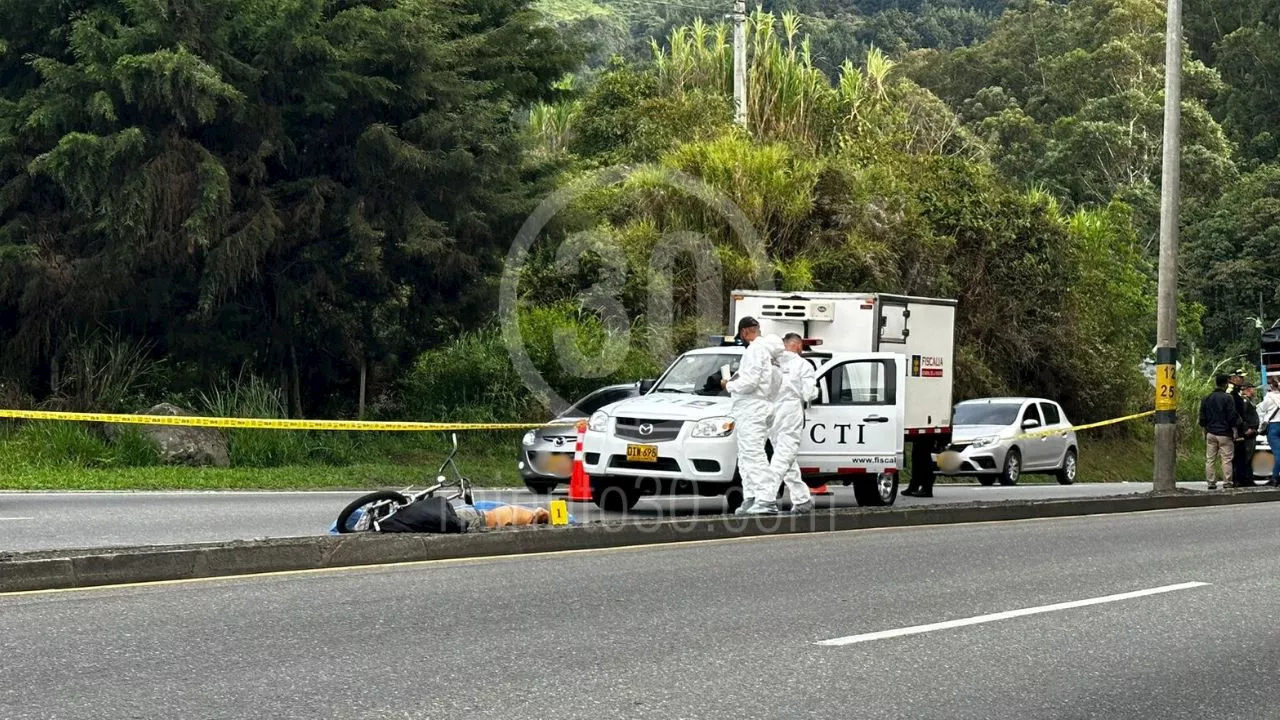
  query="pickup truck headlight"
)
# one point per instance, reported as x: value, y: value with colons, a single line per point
x: 599, y: 422
x: 528, y: 439
x: 713, y: 427
x: 984, y: 442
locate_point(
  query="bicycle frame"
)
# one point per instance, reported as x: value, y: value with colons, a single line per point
x: 464, y: 485
x: 463, y: 491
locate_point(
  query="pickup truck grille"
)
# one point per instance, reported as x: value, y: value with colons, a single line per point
x: 620, y: 462
x: 663, y: 430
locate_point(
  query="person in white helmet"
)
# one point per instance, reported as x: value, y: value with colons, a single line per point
x: 799, y: 388
x: 754, y: 388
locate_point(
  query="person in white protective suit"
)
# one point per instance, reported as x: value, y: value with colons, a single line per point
x: 754, y: 389
x: 799, y: 388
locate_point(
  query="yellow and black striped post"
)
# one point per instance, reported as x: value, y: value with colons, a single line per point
x: 1166, y: 418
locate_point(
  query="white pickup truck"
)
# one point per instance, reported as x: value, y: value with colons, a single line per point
x: 884, y: 366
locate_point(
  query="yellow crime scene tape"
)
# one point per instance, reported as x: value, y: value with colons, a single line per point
x: 369, y: 425
x: 950, y: 460
x: 268, y: 423
x: 1090, y: 426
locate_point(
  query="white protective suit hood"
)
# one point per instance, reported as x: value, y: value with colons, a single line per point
x: 759, y: 376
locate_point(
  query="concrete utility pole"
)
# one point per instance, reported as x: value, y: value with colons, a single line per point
x: 740, y: 62
x: 1170, y: 197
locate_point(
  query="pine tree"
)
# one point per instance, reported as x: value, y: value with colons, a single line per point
x: 299, y: 185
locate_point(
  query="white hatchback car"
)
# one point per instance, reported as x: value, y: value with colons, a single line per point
x: 989, y: 440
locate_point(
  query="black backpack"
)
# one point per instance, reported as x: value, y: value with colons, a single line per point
x: 427, y: 515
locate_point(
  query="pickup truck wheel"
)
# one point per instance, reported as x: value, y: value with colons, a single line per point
x: 614, y: 496
x: 987, y: 480
x: 540, y: 487
x: 1070, y: 465
x: 876, y: 491
x: 1012, y: 468
x: 733, y: 497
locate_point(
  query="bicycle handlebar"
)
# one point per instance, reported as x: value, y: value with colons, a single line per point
x: 449, y: 459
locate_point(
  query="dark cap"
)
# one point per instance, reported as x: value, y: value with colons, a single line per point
x: 747, y: 322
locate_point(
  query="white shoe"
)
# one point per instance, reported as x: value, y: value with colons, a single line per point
x: 744, y: 507
x: 763, y: 508
x: 804, y: 507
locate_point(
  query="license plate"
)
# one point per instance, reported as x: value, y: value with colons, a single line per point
x: 559, y: 464
x: 642, y: 453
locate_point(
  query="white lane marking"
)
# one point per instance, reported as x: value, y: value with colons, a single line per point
x: 993, y: 617
x: 16, y: 518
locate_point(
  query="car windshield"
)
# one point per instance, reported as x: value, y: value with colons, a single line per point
x: 987, y: 413
x: 698, y: 374
x: 587, y: 406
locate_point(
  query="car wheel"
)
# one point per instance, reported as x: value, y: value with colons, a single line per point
x: 616, y: 496
x: 1012, y: 468
x: 987, y: 480
x: 1070, y: 466
x: 541, y: 487
x: 733, y: 497
x: 876, y: 491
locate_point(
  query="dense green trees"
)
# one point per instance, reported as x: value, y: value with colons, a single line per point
x: 310, y: 191
x: 868, y: 183
x: 300, y: 186
x: 1068, y: 96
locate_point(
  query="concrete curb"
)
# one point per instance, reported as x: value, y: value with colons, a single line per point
x: 58, y: 569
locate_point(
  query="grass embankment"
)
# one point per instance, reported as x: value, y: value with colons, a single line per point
x: 60, y: 456
x: 60, y: 459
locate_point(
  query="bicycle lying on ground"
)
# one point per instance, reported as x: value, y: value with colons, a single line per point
x: 370, y: 511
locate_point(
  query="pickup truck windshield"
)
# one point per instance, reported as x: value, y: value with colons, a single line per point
x: 987, y: 414
x: 698, y: 375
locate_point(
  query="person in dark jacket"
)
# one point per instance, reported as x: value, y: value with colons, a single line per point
x: 1248, y: 442
x: 1220, y: 421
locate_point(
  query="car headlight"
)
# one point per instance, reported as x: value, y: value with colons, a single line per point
x: 984, y: 442
x: 713, y: 427
x: 528, y: 438
x: 599, y: 422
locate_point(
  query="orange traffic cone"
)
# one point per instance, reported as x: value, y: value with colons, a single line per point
x: 579, y: 483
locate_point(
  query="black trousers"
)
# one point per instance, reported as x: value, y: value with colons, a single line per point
x: 922, y: 468
x: 1243, y: 465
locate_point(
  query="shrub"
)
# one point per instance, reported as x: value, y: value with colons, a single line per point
x: 473, y: 379
x: 76, y: 445
x: 104, y: 372
x: 249, y: 396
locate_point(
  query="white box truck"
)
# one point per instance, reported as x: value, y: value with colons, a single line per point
x: 885, y: 369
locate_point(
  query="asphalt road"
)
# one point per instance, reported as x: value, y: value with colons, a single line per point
x: 713, y: 630
x: 43, y: 521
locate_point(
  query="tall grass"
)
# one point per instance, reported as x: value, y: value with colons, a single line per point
x: 74, y: 445
x: 104, y: 372
x: 788, y: 97
x: 551, y: 126
x: 249, y: 396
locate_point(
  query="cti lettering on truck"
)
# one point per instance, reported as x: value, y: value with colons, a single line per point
x: 843, y: 429
x: 931, y: 367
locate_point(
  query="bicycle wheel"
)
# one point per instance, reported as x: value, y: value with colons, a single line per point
x: 375, y: 497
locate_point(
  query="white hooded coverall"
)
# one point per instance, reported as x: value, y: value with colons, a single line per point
x: 799, y: 387
x: 754, y: 390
